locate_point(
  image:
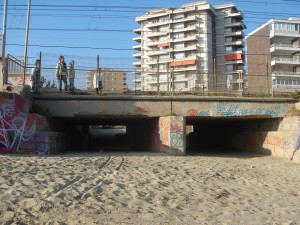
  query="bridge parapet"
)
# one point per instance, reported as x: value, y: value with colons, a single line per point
x: 149, y: 106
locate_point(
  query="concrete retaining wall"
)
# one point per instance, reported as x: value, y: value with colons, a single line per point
x: 278, y: 143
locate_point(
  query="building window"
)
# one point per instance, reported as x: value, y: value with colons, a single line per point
x: 179, y: 55
x: 177, y: 26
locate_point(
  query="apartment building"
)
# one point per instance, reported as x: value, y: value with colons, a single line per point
x: 114, y: 80
x: 196, y: 47
x: 273, y: 52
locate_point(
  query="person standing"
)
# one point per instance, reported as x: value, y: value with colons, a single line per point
x: 98, y: 81
x: 71, y: 76
x: 36, y: 76
x: 297, y: 143
x: 61, y: 73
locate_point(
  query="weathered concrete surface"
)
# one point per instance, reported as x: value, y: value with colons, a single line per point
x: 76, y: 106
x: 279, y: 142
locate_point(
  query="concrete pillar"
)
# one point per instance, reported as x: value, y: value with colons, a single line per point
x: 172, y: 133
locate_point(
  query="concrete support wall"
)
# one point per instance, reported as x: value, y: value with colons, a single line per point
x: 20, y: 131
x: 279, y: 142
x: 172, y: 135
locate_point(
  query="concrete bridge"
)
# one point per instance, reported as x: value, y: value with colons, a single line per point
x: 180, y: 124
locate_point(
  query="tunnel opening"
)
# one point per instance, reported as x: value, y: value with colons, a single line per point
x: 227, y: 135
x: 108, y: 138
x: 107, y: 134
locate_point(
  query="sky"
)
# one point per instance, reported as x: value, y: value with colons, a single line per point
x: 82, y: 29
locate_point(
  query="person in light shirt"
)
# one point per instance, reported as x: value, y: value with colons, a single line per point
x: 98, y: 81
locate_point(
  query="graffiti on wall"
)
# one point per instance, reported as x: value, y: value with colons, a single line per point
x: 283, y: 143
x: 269, y: 142
x: 145, y: 109
x: 234, y: 109
x: 177, y: 132
x: 18, y: 130
x: 172, y: 134
x: 164, y: 130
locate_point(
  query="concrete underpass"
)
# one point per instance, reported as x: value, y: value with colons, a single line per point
x: 203, y: 135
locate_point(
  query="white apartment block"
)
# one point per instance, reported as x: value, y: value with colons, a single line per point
x: 196, y: 47
x: 273, y: 59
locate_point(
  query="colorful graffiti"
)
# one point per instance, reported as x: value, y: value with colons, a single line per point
x: 228, y: 109
x: 172, y: 134
x: 177, y: 132
x: 19, y: 130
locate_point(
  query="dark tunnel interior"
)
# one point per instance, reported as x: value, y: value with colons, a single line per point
x: 203, y: 135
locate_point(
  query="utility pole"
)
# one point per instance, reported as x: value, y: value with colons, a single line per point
x: 4, y: 29
x: 168, y: 81
x: 26, y: 41
x: 157, y: 64
x: 268, y: 79
x: 98, y: 61
x: 214, y: 75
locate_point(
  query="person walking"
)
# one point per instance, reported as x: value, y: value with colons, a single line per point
x: 71, y: 76
x: 36, y: 76
x: 61, y: 73
x: 98, y: 81
x: 297, y: 143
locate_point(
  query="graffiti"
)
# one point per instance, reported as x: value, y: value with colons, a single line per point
x: 18, y: 130
x: 192, y: 112
x: 145, y: 109
x: 172, y: 135
x: 280, y: 142
x: 177, y: 136
x: 227, y: 109
x: 177, y: 139
x: 164, y: 128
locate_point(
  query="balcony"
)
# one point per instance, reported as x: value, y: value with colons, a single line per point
x: 238, y: 61
x: 285, y: 48
x: 137, y: 63
x: 192, y: 37
x: 137, y: 55
x: 137, y: 30
x: 187, y: 19
x: 235, y: 24
x: 235, y: 34
x: 157, y: 23
x: 235, y: 14
x: 285, y: 74
x: 285, y: 33
x: 137, y: 39
x: 188, y: 28
x: 137, y: 47
x: 157, y: 42
x: 237, y: 43
x: 154, y: 61
x: 157, y: 52
x: 150, y: 34
x: 285, y: 61
x: 186, y: 48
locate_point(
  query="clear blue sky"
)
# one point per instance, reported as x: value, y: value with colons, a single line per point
x: 104, y: 27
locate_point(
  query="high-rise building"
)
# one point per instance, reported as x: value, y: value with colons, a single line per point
x: 273, y: 57
x: 196, y: 47
x: 114, y: 80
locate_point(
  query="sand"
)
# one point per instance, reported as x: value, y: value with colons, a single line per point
x: 149, y: 188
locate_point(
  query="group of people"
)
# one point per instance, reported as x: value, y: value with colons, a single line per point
x: 63, y: 74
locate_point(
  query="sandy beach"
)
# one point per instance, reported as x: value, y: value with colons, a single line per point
x: 148, y: 188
